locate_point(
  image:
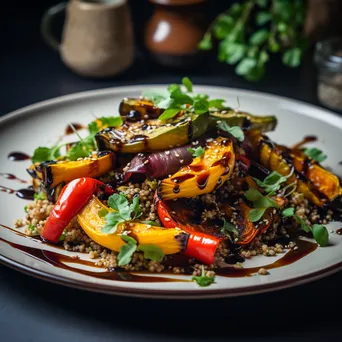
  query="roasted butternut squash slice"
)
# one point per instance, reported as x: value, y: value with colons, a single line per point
x: 316, y: 183
x: 171, y: 241
x: 204, y: 174
x: 52, y: 173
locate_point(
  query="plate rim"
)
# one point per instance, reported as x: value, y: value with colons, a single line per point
x: 330, y: 117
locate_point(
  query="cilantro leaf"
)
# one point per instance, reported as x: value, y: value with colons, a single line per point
x: 187, y: 84
x: 288, y: 212
x: 303, y: 224
x: 93, y: 128
x: 80, y: 150
x: 102, y: 212
x: 255, y: 215
x: 253, y: 194
x: 135, y: 207
x: 315, y: 154
x: 273, y: 181
x: 151, y: 223
x: 110, y: 121
x: 124, y: 211
x: 39, y: 196
x: 235, y: 131
x: 320, y: 234
x: 196, y: 152
x: 217, y: 103
x: 173, y: 87
x: 152, y: 252
x: 112, y: 221
x: 169, y: 113
x: 127, y: 250
x: 118, y: 202
x: 42, y: 154
x: 203, y: 280
x: 26, y: 209
x: 201, y: 106
x: 181, y: 98
x: 229, y: 228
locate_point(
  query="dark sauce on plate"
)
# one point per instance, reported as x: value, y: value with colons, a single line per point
x: 11, y: 176
x: 339, y: 231
x: 27, y: 194
x: 18, y: 156
x: 68, y: 130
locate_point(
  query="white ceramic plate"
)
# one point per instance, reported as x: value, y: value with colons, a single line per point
x: 42, y: 123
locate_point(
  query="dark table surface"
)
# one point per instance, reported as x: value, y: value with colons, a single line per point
x: 32, y: 309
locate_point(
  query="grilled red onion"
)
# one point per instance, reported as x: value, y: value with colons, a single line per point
x: 160, y: 164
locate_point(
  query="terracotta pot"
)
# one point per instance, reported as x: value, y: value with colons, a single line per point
x: 173, y: 32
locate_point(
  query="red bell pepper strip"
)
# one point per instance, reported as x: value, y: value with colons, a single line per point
x: 200, y: 245
x: 73, y: 197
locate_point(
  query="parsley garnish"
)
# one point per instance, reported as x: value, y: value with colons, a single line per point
x: 260, y: 203
x: 26, y: 209
x: 175, y: 100
x: 319, y: 232
x: 151, y: 223
x: 39, y: 196
x: 124, y: 211
x: 42, y: 154
x: 315, y: 154
x: 228, y: 228
x: 203, y: 280
x: 273, y: 181
x: 127, y: 250
x: 150, y: 251
x: 235, y: 131
x: 196, y: 152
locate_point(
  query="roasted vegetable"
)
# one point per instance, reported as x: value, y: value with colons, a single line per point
x: 171, y: 241
x: 242, y: 119
x: 52, y: 173
x: 152, y: 135
x: 138, y: 109
x: 316, y: 183
x: 204, y: 174
x: 74, y: 196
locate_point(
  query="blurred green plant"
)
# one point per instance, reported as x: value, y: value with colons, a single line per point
x: 250, y: 31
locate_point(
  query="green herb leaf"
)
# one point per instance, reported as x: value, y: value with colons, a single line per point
x: 320, y: 234
x: 169, y: 113
x: 288, y: 212
x: 93, y: 128
x: 272, y: 182
x: 126, y: 251
x: 62, y: 237
x: 173, y: 87
x: 216, y: 103
x: 253, y: 194
x: 235, y: 131
x: 152, y: 252
x: 263, y: 17
x: 203, y: 280
x: 229, y: 228
x: 259, y: 37
x: 39, y: 196
x: 118, y: 202
x: 255, y: 215
x: 196, y: 152
x: 80, y: 150
x: 135, y: 207
x: 206, y: 43
x: 201, y: 106
x: 246, y: 66
x: 42, y: 154
x: 112, y: 221
x: 110, y: 121
x: 151, y: 223
x: 223, y: 26
x: 181, y: 98
x: 26, y: 209
x: 292, y: 57
x: 187, y: 84
x: 303, y: 224
x: 315, y: 154
x: 102, y: 212
x: 31, y: 227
